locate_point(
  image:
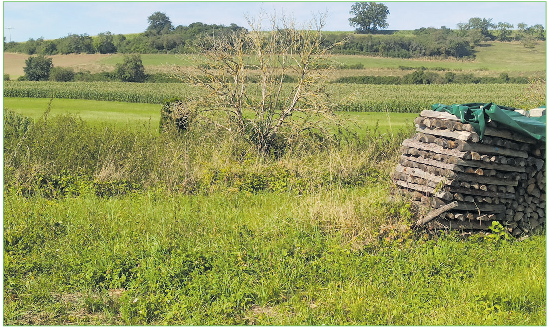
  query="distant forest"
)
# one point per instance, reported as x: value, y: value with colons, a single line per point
x: 162, y: 37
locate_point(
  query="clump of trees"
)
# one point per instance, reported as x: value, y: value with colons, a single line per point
x: 427, y: 77
x: 159, y: 37
x: 39, y: 68
x: 426, y: 42
x: 62, y: 74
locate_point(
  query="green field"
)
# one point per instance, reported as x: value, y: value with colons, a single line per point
x: 125, y: 114
x: 94, y: 112
x: 255, y: 259
x: 492, y: 58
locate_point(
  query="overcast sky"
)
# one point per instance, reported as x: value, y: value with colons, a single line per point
x: 51, y: 20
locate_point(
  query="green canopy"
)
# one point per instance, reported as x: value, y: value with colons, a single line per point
x: 477, y: 115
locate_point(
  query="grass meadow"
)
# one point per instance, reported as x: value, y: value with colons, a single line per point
x: 492, y: 56
x: 124, y: 114
x: 105, y: 225
x: 94, y: 112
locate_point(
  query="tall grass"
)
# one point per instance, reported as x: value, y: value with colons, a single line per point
x: 63, y: 155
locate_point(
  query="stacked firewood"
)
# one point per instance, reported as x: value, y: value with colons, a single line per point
x: 465, y: 183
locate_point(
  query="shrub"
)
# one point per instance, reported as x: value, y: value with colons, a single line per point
x: 6, y: 77
x: 37, y: 68
x: 99, y: 76
x: 376, y: 80
x: 131, y: 70
x: 15, y: 125
x: 61, y: 74
x: 174, y: 114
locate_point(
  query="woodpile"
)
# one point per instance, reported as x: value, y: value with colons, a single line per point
x: 465, y: 183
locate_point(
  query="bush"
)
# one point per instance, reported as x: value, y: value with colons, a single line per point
x: 38, y: 68
x: 376, y: 80
x: 6, y: 77
x: 100, y: 76
x: 174, y: 114
x: 61, y: 74
x: 15, y: 125
x: 131, y: 70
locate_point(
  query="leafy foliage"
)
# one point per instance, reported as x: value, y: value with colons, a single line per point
x: 158, y: 23
x: 37, y: 68
x: 104, y: 43
x: 369, y: 16
x: 131, y: 69
x: 61, y: 74
x: 162, y: 37
x: 424, y: 42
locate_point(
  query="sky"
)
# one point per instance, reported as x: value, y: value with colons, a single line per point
x: 52, y: 20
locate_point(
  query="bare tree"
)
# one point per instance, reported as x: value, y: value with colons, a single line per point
x: 267, y: 85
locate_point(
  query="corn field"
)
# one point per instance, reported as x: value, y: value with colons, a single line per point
x: 344, y: 97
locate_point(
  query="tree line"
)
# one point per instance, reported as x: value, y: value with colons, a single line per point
x: 162, y: 37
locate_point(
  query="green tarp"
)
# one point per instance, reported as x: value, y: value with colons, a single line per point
x: 477, y: 115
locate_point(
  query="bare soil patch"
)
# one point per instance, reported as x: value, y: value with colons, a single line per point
x: 15, y: 62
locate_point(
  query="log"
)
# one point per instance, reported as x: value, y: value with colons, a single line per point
x: 457, y: 135
x: 435, y: 213
x: 486, y: 149
x: 474, y: 155
x: 484, y: 179
x: 489, y: 130
x: 479, y: 192
x: 435, y: 163
x: 440, y: 194
x: 439, y: 115
x: 490, y: 208
x: 433, y: 148
x: 510, y: 135
x: 417, y: 180
x: 422, y: 174
x: 488, y: 166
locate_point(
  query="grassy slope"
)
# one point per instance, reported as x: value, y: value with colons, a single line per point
x: 494, y: 56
